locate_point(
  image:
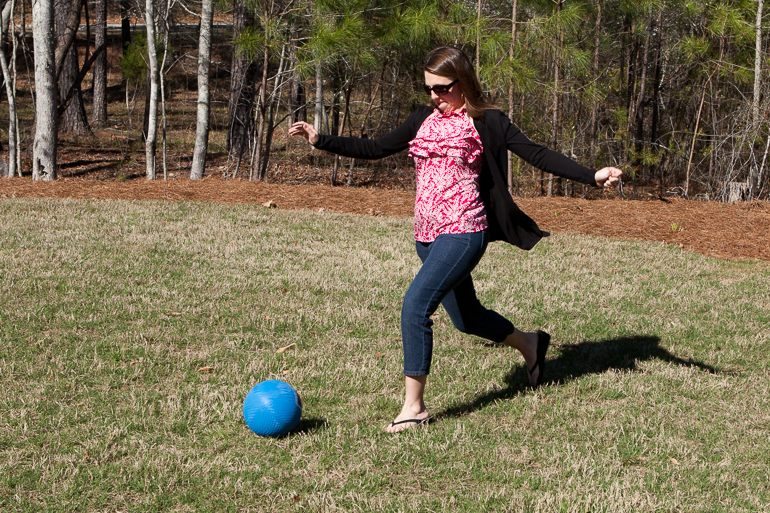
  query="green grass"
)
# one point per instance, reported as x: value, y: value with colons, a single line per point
x: 657, y: 397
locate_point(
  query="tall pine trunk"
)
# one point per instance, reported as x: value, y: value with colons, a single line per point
x: 151, y: 135
x: 204, y: 96
x: 44, y: 148
x: 99, y: 114
x: 125, y: 23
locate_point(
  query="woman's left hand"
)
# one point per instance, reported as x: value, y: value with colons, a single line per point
x: 302, y: 129
x: 608, y: 176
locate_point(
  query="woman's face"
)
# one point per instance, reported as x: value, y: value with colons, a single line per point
x: 451, y: 101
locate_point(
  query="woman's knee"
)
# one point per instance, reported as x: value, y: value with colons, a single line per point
x: 467, y: 326
x: 415, y: 315
x: 486, y: 324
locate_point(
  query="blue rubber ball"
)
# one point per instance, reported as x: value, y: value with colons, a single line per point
x: 272, y: 408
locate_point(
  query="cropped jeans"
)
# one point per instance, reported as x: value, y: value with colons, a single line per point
x: 445, y: 278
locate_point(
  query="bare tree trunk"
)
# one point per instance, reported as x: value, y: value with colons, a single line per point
x: 275, y: 100
x: 656, y: 98
x: 44, y: 149
x: 297, y: 106
x: 639, y: 104
x: 345, y: 112
x: 362, y: 131
x: 762, y: 167
x: 478, y: 36
x: 757, y: 65
x: 73, y: 119
x: 695, y: 137
x: 755, y: 114
x: 514, y: 14
x: 260, y: 117
x: 7, y: 16
x: 99, y: 114
x: 162, y: 82
x: 125, y: 23
x: 67, y: 13
x: 242, y: 87
x: 15, y: 76
x: 204, y: 96
x: 556, y: 74
x: 594, y: 115
x: 152, y: 127
x: 319, y: 98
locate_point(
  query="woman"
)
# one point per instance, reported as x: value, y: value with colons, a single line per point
x: 462, y: 203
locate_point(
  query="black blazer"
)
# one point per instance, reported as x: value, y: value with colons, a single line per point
x: 498, y: 135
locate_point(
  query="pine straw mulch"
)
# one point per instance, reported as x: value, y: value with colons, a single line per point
x: 729, y: 231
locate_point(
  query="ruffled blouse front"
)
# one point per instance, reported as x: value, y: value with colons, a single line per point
x: 447, y: 153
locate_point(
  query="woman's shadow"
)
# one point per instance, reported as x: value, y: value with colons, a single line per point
x: 577, y: 360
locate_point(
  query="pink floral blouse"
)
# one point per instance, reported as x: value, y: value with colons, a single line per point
x: 447, y: 154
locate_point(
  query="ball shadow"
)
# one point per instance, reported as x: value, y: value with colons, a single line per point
x: 577, y: 360
x: 311, y: 425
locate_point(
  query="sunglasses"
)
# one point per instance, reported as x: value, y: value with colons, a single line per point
x: 440, y: 90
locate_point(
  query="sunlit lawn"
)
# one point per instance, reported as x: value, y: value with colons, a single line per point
x: 657, y: 396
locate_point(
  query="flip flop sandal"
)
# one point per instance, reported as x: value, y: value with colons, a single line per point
x: 417, y: 422
x: 543, y: 341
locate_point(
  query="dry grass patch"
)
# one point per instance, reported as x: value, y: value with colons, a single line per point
x: 657, y: 393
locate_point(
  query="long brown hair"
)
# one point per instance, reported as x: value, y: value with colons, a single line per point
x: 452, y: 63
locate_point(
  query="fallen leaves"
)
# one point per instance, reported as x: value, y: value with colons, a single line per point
x: 715, y: 229
x: 206, y: 368
x: 286, y: 348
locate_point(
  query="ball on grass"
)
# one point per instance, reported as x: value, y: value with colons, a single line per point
x: 272, y: 408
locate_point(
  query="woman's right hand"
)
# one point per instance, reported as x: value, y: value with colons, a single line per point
x: 305, y: 130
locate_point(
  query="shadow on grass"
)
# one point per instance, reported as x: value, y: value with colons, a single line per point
x: 311, y: 425
x: 577, y: 360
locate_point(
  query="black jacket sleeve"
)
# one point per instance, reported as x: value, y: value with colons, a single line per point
x: 547, y: 160
x: 381, y: 147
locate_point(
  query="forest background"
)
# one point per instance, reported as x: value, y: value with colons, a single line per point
x: 673, y: 92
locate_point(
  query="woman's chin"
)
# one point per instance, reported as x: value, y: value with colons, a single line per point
x: 446, y: 107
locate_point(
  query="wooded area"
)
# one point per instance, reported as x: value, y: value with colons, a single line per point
x: 673, y: 92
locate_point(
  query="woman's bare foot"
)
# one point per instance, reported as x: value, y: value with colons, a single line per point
x: 414, y: 412
x: 526, y: 344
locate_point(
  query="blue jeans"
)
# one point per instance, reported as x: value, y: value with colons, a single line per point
x: 445, y: 278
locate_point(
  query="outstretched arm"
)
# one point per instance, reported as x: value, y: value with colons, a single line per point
x: 362, y: 148
x: 556, y: 163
